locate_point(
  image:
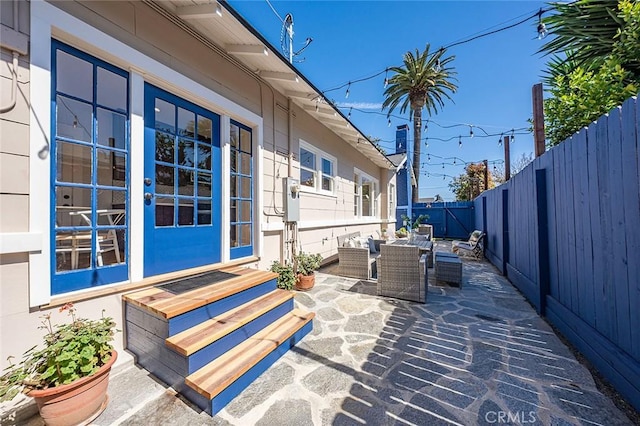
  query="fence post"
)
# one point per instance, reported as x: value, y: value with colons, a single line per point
x: 505, y: 231
x: 543, y: 239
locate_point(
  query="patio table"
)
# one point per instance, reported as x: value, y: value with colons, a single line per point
x: 426, y: 247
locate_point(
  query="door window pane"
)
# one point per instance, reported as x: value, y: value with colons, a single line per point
x: 185, y: 211
x: 69, y: 202
x: 186, y: 123
x: 204, y: 211
x: 185, y: 182
x: 245, y: 141
x: 164, y: 179
x: 245, y: 187
x: 111, y: 128
x: 245, y: 163
x: 165, y: 116
x: 204, y: 156
x: 204, y: 129
x: 245, y: 211
x: 186, y: 155
x: 73, y: 162
x: 112, y: 168
x: 73, y: 250
x: 110, y: 209
x: 112, y: 90
x: 164, y: 211
x: 110, y: 247
x: 74, y: 76
x: 245, y: 235
x: 73, y: 119
x: 164, y: 147
x: 204, y: 184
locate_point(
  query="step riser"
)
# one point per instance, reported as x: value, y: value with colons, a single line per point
x: 233, y: 390
x: 192, y: 318
x: 207, y: 354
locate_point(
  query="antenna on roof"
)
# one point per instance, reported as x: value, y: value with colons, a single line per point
x: 286, y: 39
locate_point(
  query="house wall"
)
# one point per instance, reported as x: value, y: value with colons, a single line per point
x: 24, y: 257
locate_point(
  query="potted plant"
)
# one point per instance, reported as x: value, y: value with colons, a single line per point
x: 286, y: 277
x: 306, y: 264
x: 68, y: 378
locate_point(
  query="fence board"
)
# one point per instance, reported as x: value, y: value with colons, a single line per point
x: 569, y: 211
x: 604, y: 188
x: 561, y: 226
x: 631, y: 204
x: 619, y: 285
x: 596, y: 229
x: 583, y: 226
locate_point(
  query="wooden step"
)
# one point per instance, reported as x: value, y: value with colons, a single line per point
x: 196, y: 338
x: 216, y: 376
x: 168, y: 305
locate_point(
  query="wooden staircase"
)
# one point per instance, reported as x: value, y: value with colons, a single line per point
x: 210, y: 343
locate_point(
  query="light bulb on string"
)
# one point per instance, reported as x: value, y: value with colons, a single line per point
x: 513, y: 135
x: 349, y: 115
x: 444, y: 177
x: 442, y: 166
x: 470, y: 131
x: 454, y: 161
x: 426, y: 142
x: 428, y: 158
x: 75, y: 121
x: 542, y: 28
x: 426, y: 125
x: 500, y: 140
x: 386, y: 80
x: 389, y: 123
x: 459, y: 141
x: 317, y: 105
x: 346, y: 95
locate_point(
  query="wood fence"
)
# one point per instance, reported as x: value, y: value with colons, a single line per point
x: 566, y: 232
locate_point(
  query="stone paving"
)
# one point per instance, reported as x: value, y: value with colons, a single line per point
x: 478, y: 355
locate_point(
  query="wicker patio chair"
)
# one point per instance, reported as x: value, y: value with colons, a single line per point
x: 402, y: 272
x: 471, y: 248
x: 355, y: 262
x: 424, y: 229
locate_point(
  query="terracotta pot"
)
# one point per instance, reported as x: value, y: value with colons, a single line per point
x: 77, y: 403
x: 305, y: 282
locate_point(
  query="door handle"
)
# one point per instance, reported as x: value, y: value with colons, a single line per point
x: 148, y: 196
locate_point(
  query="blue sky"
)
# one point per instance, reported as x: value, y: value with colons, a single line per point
x: 355, y: 39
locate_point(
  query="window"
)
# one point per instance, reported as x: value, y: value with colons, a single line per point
x: 365, y: 201
x: 241, y: 191
x: 317, y: 169
x: 90, y: 161
x: 392, y: 200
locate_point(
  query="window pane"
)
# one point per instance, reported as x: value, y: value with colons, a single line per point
x: 186, y: 156
x: 245, y: 187
x: 245, y: 163
x: 111, y: 128
x: 233, y: 187
x: 110, y: 209
x: 71, y: 203
x: 366, y: 201
x: 234, y: 235
x: 204, y: 156
x: 164, y: 179
x: 186, y: 123
x: 165, y: 116
x: 307, y: 178
x: 204, y: 211
x: 110, y: 247
x: 73, y: 250
x: 327, y: 167
x: 73, y: 119
x: 327, y: 183
x: 245, y: 141
x: 164, y: 147
x: 234, y: 136
x: 74, y: 76
x: 245, y: 211
x: 233, y: 213
x: 112, y: 168
x: 164, y: 211
x: 204, y: 129
x: 112, y: 90
x: 245, y: 235
x: 185, y: 182
x: 73, y: 162
x: 185, y: 211
x: 307, y: 159
x: 204, y: 184
x: 234, y: 161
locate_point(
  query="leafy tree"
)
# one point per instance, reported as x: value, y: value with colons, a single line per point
x: 470, y: 184
x: 600, y: 40
x: 582, y: 96
x: 425, y: 80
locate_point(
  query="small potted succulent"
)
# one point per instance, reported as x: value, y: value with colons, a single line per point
x: 306, y: 265
x: 68, y: 378
x: 286, y: 278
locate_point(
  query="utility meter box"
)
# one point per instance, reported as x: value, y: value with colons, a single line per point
x: 291, y: 192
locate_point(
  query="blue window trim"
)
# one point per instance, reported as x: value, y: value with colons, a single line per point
x: 243, y: 251
x: 72, y: 280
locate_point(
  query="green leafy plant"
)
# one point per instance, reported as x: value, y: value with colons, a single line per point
x: 71, y: 351
x: 401, y: 233
x: 414, y: 224
x: 286, y: 278
x: 307, y: 263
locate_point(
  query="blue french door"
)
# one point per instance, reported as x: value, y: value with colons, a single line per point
x: 182, y: 178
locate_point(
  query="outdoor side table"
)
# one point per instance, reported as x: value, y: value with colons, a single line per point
x: 448, y: 268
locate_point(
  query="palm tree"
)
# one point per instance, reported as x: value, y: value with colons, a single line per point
x: 424, y: 81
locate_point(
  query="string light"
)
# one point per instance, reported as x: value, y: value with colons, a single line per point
x: 426, y: 142
x: 389, y: 123
x: 349, y: 115
x: 542, y: 28
x: 470, y: 131
x: 346, y: 95
x: 428, y: 158
x: 317, y: 105
x: 75, y: 121
x: 459, y: 141
x: 513, y: 135
x: 500, y: 140
x: 386, y: 79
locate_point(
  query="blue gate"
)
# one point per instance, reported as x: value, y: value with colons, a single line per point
x: 449, y: 220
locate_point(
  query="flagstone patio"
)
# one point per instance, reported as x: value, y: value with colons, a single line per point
x: 475, y: 355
